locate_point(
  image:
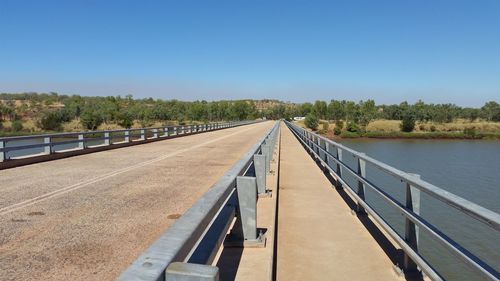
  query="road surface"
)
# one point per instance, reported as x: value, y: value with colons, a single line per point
x: 88, y: 217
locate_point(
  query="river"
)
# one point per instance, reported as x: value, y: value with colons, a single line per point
x: 467, y: 168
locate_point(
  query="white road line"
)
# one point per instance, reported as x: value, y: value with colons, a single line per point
x: 46, y: 196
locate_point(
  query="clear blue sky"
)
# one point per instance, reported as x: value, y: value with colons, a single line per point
x: 387, y: 50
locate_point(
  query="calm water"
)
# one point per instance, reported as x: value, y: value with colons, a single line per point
x: 467, y: 168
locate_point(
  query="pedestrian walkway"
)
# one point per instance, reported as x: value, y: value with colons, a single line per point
x: 318, y: 237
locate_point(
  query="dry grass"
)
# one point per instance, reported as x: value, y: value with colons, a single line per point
x: 393, y: 126
x: 28, y: 125
x: 456, y: 126
x: 72, y: 126
x: 383, y: 126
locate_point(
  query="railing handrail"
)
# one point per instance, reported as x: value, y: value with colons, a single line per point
x: 51, y: 142
x: 179, y: 241
x: 472, y: 209
x: 477, y: 212
x: 64, y: 134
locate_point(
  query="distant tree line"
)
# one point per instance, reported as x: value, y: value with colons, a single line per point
x: 365, y: 111
x: 358, y: 115
x: 50, y: 110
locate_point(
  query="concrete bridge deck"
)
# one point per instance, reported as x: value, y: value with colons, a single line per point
x: 88, y: 217
x: 318, y: 237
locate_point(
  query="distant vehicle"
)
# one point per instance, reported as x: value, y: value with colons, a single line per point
x: 298, y: 118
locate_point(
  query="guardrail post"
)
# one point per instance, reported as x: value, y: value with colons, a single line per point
x: 266, y: 150
x: 143, y: 134
x: 155, y: 133
x: 3, y: 154
x: 181, y: 271
x: 361, y: 186
x: 259, y: 162
x: 244, y: 233
x: 411, y: 230
x: 165, y: 132
x: 107, y: 141
x: 48, y: 146
x: 81, y: 143
x: 127, y: 136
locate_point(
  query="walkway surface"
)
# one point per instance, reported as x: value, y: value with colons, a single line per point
x: 88, y: 217
x: 318, y: 237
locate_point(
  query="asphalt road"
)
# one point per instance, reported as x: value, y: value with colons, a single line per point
x: 88, y: 217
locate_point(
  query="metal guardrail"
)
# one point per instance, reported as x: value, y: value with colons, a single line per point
x: 190, y: 244
x: 49, y: 142
x: 329, y: 154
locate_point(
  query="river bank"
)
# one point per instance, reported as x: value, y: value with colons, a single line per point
x: 414, y: 135
x: 389, y: 129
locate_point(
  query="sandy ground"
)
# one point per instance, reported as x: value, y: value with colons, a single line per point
x: 88, y: 217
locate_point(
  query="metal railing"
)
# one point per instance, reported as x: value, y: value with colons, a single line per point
x: 194, y: 239
x: 49, y: 143
x: 329, y: 154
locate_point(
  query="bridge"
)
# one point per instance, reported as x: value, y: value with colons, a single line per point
x: 226, y: 201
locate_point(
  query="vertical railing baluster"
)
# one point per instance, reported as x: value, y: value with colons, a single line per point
x: 339, y: 168
x: 81, y: 141
x: 411, y: 230
x: 143, y: 134
x: 107, y: 140
x: 3, y: 154
x: 126, y: 135
x: 48, y: 145
x: 327, y: 157
x: 361, y: 186
x: 155, y: 133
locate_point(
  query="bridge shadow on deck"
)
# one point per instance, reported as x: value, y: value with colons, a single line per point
x: 394, y: 254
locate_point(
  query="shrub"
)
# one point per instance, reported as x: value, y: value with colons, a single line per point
x: 1, y: 125
x: 433, y: 128
x: 311, y: 121
x: 337, y: 131
x: 470, y: 131
x: 339, y: 124
x: 407, y: 124
x: 325, y: 126
x: 353, y: 127
x: 422, y: 127
x: 51, y: 120
x: 90, y: 119
x: 17, y: 125
x: 146, y: 122
x: 125, y: 120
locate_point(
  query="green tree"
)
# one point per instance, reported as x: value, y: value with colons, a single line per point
x: 367, y: 112
x: 320, y: 109
x: 408, y: 123
x: 336, y: 110
x: 52, y: 120
x: 305, y: 109
x: 311, y: 121
x: 125, y: 120
x: 491, y: 111
x: 90, y: 119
